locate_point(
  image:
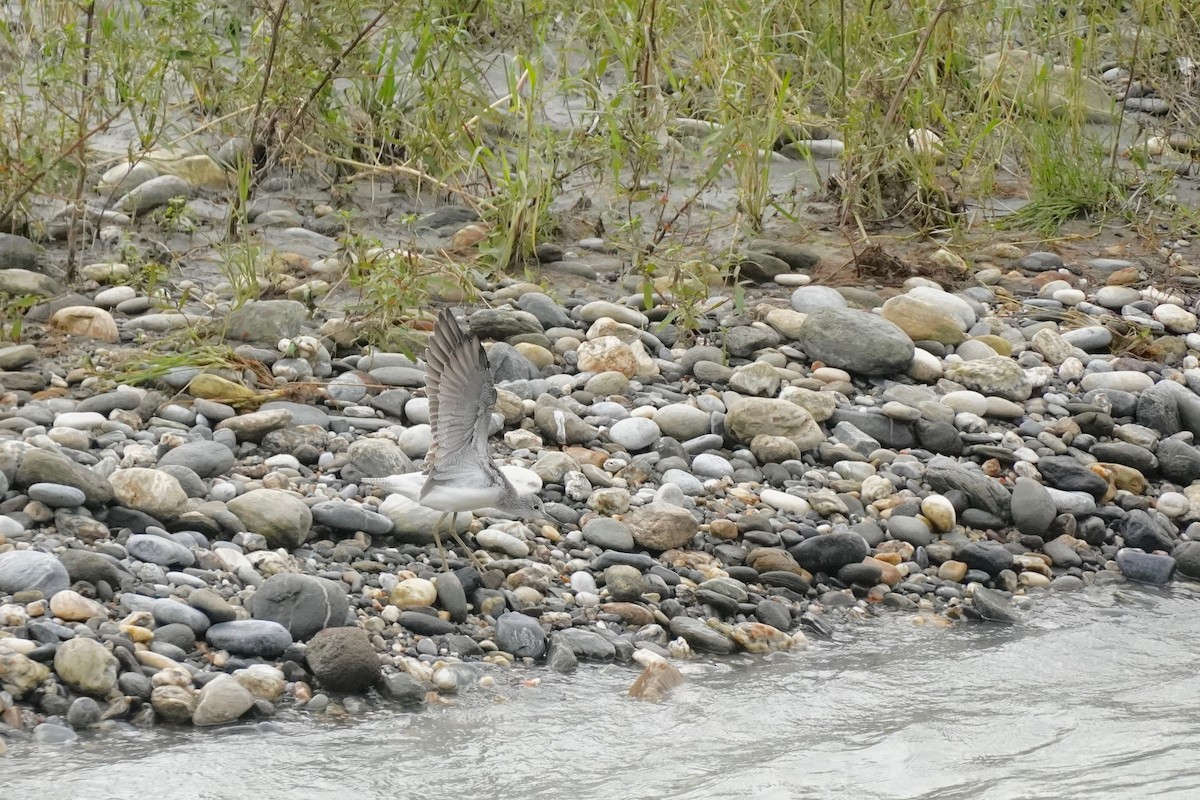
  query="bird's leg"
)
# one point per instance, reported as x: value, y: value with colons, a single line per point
x: 438, y: 541
x: 470, y: 553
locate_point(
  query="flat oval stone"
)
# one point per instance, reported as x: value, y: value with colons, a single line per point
x: 167, y: 611
x: 250, y: 637
x: 56, y: 495
x: 701, y: 637
x: 158, y: 550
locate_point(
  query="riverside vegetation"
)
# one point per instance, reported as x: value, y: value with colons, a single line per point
x: 799, y: 311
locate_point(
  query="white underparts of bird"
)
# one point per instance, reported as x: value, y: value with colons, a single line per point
x: 411, y: 485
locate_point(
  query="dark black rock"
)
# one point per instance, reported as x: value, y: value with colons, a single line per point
x: 1062, y: 553
x: 786, y: 580
x: 508, y: 364
x: 83, y: 713
x: 250, y: 637
x: 744, y: 341
x: 870, y: 531
x: 991, y: 557
x: 548, y: 311
x: 1178, y: 461
x: 889, y: 432
x: 980, y: 520
x: 461, y: 645
x: 1092, y: 530
x: 178, y: 634
x: 862, y: 573
x: 1139, y: 529
x: 770, y: 612
x: 610, y: 557
x: 120, y: 517
x: 1187, y: 558
x: 797, y: 257
x: 760, y: 267
x: 447, y: 217
x: 742, y: 573
x: 452, y: 596
x: 1131, y: 455
x: 1064, y: 472
x: 212, y: 605
x: 723, y: 605
x: 1033, y: 509
x: 829, y: 552
x: 1158, y: 409
x: 426, y: 624
x: 940, y: 437
x: 1095, y: 423
x: 498, y: 324
x: 817, y: 625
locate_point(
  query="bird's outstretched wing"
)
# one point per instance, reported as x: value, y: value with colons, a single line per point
x: 462, y: 394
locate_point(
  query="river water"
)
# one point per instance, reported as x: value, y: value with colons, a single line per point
x: 1095, y: 696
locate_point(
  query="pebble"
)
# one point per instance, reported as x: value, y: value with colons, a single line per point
x: 220, y: 701
x: 1145, y: 567
x: 635, y: 433
x: 520, y: 635
x: 262, y: 638
x: 31, y: 570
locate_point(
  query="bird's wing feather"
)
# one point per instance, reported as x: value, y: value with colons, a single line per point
x: 462, y: 394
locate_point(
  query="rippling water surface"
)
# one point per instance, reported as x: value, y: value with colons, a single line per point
x: 1097, y: 696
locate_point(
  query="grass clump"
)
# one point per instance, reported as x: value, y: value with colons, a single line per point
x: 643, y: 120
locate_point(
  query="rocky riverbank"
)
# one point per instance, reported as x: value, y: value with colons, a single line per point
x: 199, y: 549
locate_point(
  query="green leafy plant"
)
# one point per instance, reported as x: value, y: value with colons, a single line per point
x: 12, y: 314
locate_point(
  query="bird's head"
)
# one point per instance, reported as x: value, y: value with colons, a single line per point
x: 531, y: 506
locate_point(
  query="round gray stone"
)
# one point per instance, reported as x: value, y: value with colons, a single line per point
x: 24, y: 570
x: 808, y: 299
x: 624, y: 583
x: 83, y: 713
x: 206, y: 458
x: 682, y: 422
x: 856, y: 341
x: 608, y: 534
x: 285, y: 520
x: 1032, y: 507
x: 520, y: 635
x: 635, y: 433
x: 911, y: 530
x: 302, y: 604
